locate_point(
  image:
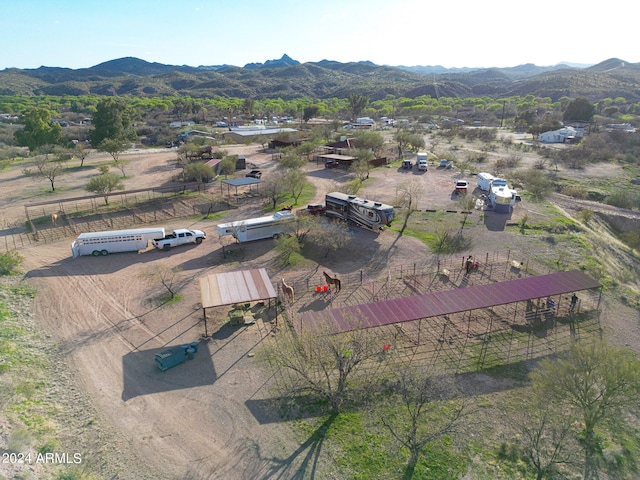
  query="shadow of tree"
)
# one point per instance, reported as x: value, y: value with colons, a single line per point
x: 303, y: 462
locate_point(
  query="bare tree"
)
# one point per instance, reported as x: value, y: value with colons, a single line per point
x: 47, y: 168
x: 597, y: 382
x: 408, y: 195
x: 167, y: 276
x: 421, y: 407
x: 321, y: 363
x: 545, y: 435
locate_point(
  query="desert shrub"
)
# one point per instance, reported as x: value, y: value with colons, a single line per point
x: 575, y: 192
x: 9, y: 262
x: 624, y: 199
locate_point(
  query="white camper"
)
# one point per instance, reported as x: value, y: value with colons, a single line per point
x: 484, y: 181
x: 257, y: 228
x: 115, y: 241
x: 501, y: 197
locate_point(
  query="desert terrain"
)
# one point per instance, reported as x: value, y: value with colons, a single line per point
x: 211, y: 417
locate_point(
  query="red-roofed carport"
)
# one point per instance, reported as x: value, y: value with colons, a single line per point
x: 448, y: 302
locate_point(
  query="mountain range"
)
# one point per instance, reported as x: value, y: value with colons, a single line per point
x: 287, y: 78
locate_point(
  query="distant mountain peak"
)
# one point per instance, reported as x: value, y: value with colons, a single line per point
x: 285, y: 61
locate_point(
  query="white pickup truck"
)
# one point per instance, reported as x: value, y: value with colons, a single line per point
x: 180, y: 236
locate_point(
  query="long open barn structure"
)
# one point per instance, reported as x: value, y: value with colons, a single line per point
x: 447, y: 302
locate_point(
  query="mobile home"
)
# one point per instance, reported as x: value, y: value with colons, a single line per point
x: 257, y: 228
x: 364, y: 212
x: 114, y: 241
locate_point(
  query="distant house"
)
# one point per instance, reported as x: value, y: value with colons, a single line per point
x: 180, y: 124
x: 240, y: 135
x: 625, y: 127
x: 564, y: 135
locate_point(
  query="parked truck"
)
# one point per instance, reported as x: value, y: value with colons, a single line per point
x: 422, y: 162
x: 181, y: 236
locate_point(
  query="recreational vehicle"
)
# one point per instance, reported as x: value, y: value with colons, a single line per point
x: 367, y: 213
x: 501, y: 197
x: 114, y: 241
x: 257, y: 228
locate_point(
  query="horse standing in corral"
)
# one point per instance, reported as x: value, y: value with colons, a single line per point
x: 332, y: 281
x: 288, y: 291
x: 54, y: 218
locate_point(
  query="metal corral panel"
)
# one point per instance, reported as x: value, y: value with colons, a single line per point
x: 448, y: 302
x: 220, y: 289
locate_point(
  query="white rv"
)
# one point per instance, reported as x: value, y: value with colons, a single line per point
x: 257, y: 228
x: 115, y: 241
x: 364, y: 212
x: 501, y: 197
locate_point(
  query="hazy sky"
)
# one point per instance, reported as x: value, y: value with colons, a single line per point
x: 489, y: 33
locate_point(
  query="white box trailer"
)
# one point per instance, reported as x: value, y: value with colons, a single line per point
x: 115, y: 241
x: 257, y: 228
x: 484, y: 181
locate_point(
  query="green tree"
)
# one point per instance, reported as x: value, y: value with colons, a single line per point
x: 579, y: 109
x: 357, y: 103
x: 296, y: 180
x: 112, y: 120
x: 370, y: 140
x: 199, y: 172
x: 104, y: 184
x: 38, y: 130
x: 598, y: 382
x: 309, y: 112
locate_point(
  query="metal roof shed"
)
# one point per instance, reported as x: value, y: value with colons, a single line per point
x: 220, y: 289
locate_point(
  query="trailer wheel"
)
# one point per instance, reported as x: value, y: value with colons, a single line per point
x: 104, y: 253
x: 166, y: 247
x: 198, y: 241
x: 276, y: 236
x: 96, y: 253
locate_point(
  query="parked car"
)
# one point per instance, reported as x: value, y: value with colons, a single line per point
x: 332, y: 164
x: 254, y: 174
x: 315, y: 209
x: 461, y: 187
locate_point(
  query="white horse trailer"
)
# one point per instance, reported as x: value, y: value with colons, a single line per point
x: 364, y: 212
x: 115, y: 241
x: 257, y: 228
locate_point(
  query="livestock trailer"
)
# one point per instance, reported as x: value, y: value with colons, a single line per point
x: 257, y: 228
x: 114, y: 241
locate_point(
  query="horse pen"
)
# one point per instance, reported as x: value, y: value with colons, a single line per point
x: 435, y: 312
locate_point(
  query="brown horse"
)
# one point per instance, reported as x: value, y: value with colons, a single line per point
x: 54, y: 218
x: 332, y: 281
x: 288, y: 291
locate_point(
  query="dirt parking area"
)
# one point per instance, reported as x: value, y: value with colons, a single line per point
x: 210, y: 417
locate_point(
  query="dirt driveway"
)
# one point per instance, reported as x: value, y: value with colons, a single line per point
x: 209, y: 418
